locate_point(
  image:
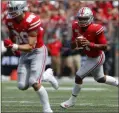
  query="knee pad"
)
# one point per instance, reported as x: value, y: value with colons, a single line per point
x: 22, y: 86
x: 101, y: 80
x: 78, y: 80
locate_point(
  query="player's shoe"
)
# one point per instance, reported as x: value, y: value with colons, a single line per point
x: 52, y: 79
x: 67, y: 104
x: 47, y: 111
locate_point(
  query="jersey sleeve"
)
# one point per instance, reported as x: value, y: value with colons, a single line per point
x: 102, y: 38
x: 99, y: 29
x: 100, y: 34
x: 73, y: 32
x: 5, y: 21
x: 73, y: 35
x: 34, y: 22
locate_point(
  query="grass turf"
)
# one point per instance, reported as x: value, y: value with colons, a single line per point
x: 94, y: 98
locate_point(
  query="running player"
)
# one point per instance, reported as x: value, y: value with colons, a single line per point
x: 90, y: 37
x: 26, y: 35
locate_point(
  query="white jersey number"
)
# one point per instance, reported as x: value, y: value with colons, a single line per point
x: 30, y: 18
x: 21, y: 38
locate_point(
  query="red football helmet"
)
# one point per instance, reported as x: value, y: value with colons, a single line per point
x: 84, y: 16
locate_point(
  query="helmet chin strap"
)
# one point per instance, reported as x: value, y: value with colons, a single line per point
x: 84, y: 25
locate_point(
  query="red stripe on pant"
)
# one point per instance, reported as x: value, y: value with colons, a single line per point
x: 43, y: 65
x: 99, y: 62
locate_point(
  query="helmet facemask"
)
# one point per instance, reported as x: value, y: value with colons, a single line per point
x: 14, y: 13
x: 16, y: 8
x: 85, y: 21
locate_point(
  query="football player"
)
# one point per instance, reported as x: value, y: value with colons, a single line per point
x: 26, y: 35
x: 90, y: 38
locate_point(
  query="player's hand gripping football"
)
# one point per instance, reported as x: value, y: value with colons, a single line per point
x: 84, y: 42
x: 77, y: 44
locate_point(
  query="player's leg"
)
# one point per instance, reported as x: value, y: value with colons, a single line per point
x: 76, y: 88
x: 23, y: 74
x: 88, y: 66
x: 37, y: 68
x: 75, y: 91
x: 48, y: 76
x: 101, y: 78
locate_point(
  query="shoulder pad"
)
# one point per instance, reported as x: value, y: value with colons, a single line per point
x: 98, y: 28
x: 33, y: 21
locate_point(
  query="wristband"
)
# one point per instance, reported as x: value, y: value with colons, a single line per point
x: 15, y: 47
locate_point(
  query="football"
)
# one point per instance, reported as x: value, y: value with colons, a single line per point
x: 77, y: 43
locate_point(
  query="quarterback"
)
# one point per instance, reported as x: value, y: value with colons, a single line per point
x: 26, y: 37
x: 89, y: 37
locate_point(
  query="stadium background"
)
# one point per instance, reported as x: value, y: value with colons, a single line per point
x: 56, y: 17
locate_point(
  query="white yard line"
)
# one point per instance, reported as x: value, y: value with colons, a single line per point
x: 6, y: 97
x: 62, y: 80
x: 61, y: 88
x: 31, y: 103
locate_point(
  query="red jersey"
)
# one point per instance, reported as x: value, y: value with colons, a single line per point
x: 30, y: 22
x: 94, y: 33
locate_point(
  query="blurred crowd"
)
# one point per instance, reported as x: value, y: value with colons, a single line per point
x: 57, y: 17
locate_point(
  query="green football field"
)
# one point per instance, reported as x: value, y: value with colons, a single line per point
x: 94, y: 98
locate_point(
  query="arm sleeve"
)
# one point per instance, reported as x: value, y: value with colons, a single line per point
x: 6, y: 23
x: 73, y: 36
x: 102, y: 39
x: 41, y: 30
x: 73, y: 33
x: 34, y: 24
x: 99, y: 29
